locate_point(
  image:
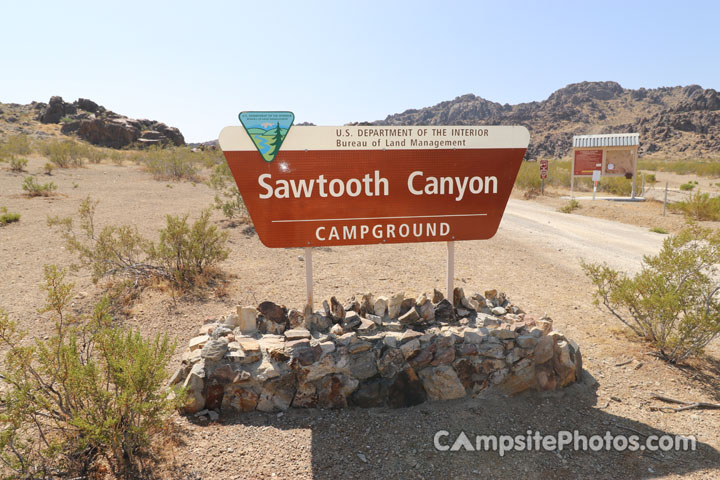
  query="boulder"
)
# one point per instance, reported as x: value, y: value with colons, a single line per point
x: 247, y: 319
x: 195, y: 384
x: 55, y: 110
x: 214, y: 350
x: 444, y: 312
x: 395, y: 304
x: 442, y: 383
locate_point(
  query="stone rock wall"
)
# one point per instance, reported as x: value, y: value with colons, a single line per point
x: 373, y: 351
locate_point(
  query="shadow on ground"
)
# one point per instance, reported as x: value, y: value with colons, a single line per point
x: 399, y: 443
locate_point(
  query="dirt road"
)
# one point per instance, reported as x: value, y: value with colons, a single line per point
x: 568, y: 238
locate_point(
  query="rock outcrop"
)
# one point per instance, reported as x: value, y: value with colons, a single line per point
x: 367, y: 358
x: 99, y: 126
x: 670, y: 120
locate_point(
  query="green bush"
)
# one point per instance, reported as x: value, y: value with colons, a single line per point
x: 170, y: 163
x: 227, y: 196
x: 48, y: 168
x: 570, y: 206
x: 673, y: 302
x: 651, y: 178
x: 36, y: 189
x: 16, y: 145
x: 8, y: 217
x: 702, y: 167
x: 698, y: 206
x: 185, y: 255
x: 187, y: 252
x: 64, y: 153
x: 620, y: 186
x: 17, y: 164
x: 94, y: 155
x: 92, y: 391
x: 529, y: 174
x: 686, y: 187
x: 659, y: 230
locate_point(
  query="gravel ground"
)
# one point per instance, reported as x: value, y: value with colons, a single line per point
x: 533, y: 258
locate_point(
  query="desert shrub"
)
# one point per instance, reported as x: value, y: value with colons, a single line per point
x: 90, y: 391
x: 94, y: 155
x: 620, y: 186
x: 36, y: 189
x: 686, y: 187
x: 227, y: 196
x: 558, y: 174
x: 17, y: 145
x: 8, y: 217
x: 651, y: 178
x: 17, y: 164
x: 186, y: 252
x: 184, y: 255
x: 659, y: 230
x: 48, y: 168
x: 117, y: 158
x: 674, y: 301
x: 698, y: 206
x: 64, y: 153
x: 570, y: 206
x: 170, y: 163
x: 701, y: 167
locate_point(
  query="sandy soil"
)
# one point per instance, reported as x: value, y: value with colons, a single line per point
x: 534, y: 258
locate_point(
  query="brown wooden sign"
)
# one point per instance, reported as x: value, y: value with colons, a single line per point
x: 364, y: 185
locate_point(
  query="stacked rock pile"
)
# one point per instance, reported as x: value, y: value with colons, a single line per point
x: 373, y: 351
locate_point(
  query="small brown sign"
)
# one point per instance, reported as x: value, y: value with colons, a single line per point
x: 364, y: 185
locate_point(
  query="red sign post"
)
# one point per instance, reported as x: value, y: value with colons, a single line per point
x: 544, y: 166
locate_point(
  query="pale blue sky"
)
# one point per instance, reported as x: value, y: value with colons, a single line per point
x: 196, y: 65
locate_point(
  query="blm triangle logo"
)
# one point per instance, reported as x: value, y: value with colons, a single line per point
x: 267, y: 130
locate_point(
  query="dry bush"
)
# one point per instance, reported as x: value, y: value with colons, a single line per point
x: 64, y: 153
x: 184, y: 256
x: 227, y: 196
x: 169, y: 163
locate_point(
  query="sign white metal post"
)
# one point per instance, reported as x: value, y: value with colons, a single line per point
x: 450, y: 269
x: 595, y: 177
x: 309, y: 278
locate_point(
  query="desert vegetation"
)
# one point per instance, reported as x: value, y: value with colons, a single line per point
x: 186, y: 255
x: 674, y: 302
x: 89, y: 395
x: 700, y: 167
x: 227, y: 196
x: 8, y: 217
x: 698, y: 206
x: 33, y: 188
x: 559, y: 176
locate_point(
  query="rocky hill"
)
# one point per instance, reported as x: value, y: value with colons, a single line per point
x: 671, y: 121
x: 87, y: 120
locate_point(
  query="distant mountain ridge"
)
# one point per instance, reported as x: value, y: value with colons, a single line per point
x: 671, y: 121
